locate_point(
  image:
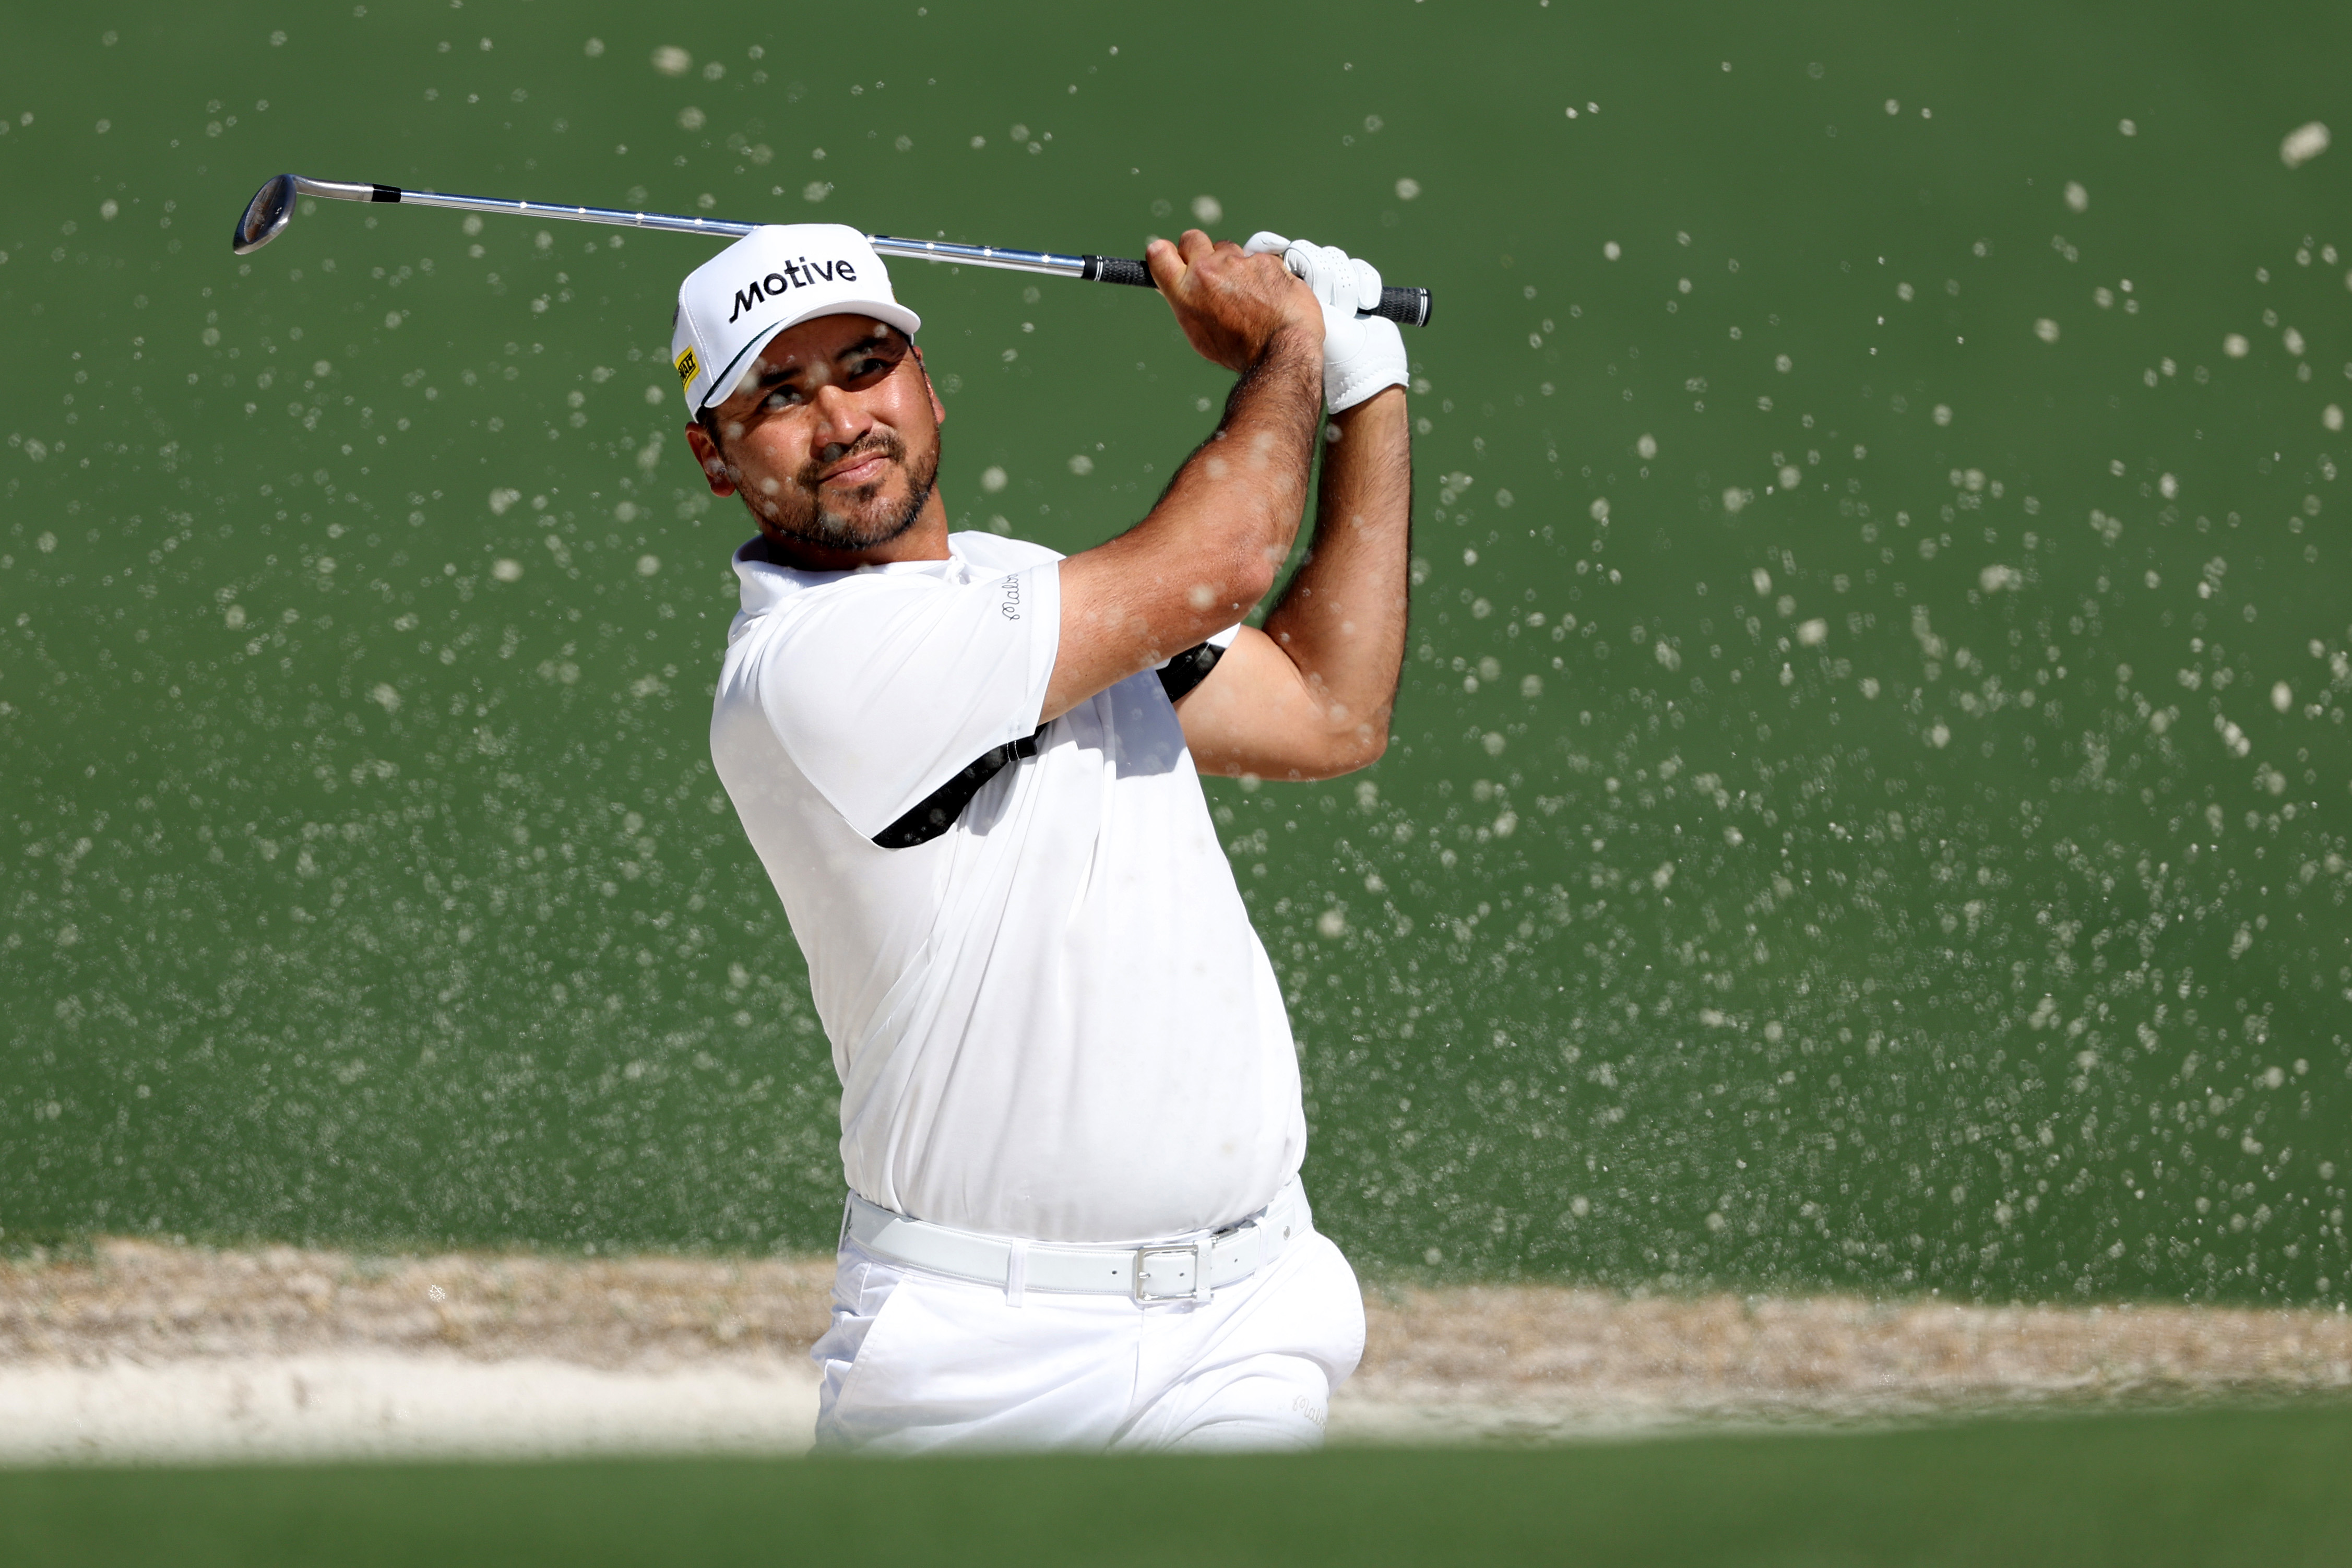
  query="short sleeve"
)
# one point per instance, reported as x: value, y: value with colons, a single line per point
x: 1221, y: 641
x: 884, y: 687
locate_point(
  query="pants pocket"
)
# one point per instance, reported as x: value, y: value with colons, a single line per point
x: 855, y: 1353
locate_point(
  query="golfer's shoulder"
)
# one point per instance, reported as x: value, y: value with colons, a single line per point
x: 989, y: 553
x: 788, y: 613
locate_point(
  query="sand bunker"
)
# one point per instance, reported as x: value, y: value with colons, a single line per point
x: 148, y: 1352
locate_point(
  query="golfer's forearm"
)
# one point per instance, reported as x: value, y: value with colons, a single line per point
x: 1209, y: 550
x: 1343, y: 619
x: 1242, y: 494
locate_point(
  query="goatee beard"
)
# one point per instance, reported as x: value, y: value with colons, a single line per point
x: 831, y: 531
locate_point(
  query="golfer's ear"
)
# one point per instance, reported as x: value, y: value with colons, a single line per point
x: 714, y: 467
x: 939, y: 410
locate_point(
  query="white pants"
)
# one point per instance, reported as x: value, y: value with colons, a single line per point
x: 918, y: 1362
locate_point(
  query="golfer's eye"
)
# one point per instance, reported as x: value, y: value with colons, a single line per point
x: 779, y: 398
x: 870, y: 361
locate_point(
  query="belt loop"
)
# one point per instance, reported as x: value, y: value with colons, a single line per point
x: 1016, y: 1273
x: 848, y: 1211
x: 1200, y: 1250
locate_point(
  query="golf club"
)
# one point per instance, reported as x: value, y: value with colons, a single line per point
x: 272, y: 208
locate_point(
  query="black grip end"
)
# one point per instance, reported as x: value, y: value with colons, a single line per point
x: 1405, y: 306
x: 1120, y: 270
x: 385, y: 194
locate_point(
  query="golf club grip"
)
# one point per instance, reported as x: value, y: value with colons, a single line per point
x: 1406, y: 307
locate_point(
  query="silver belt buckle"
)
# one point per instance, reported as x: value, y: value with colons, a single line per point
x: 1183, y: 1267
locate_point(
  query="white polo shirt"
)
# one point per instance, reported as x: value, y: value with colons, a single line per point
x: 1053, y: 1020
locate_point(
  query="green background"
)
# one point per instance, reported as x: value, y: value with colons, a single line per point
x: 2261, y: 1488
x: 1924, y: 871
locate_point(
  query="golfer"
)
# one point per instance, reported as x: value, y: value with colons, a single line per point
x: 1070, y: 1111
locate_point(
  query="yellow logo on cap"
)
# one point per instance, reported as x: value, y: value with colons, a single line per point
x: 687, y: 365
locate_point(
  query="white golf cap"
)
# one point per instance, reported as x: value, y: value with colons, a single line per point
x: 776, y: 277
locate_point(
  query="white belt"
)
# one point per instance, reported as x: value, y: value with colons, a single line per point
x: 1184, y: 1268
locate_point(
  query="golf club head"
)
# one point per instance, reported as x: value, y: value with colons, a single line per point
x: 272, y: 209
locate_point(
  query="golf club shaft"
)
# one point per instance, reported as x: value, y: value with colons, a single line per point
x: 1409, y: 306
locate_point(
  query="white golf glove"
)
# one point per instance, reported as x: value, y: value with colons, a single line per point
x: 1361, y: 354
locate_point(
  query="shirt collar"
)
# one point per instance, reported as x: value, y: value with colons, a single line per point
x: 766, y: 585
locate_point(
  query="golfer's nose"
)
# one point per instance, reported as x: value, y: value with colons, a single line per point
x: 840, y: 420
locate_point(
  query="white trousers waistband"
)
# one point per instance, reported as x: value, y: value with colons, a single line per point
x: 1183, y: 1267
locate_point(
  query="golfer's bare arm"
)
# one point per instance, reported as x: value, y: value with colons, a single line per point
x: 1310, y: 696
x: 1209, y: 551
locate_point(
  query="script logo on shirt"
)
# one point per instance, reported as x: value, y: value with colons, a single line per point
x: 1011, y: 608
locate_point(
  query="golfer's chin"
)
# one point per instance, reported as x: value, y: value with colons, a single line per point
x: 857, y: 517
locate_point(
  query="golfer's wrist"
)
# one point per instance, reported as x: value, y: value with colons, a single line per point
x: 1292, y: 345
x: 1363, y: 407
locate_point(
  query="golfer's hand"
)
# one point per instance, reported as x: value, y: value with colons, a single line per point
x: 1362, y: 355
x: 1231, y: 305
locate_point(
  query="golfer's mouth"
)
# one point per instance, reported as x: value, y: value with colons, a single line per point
x: 864, y: 471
